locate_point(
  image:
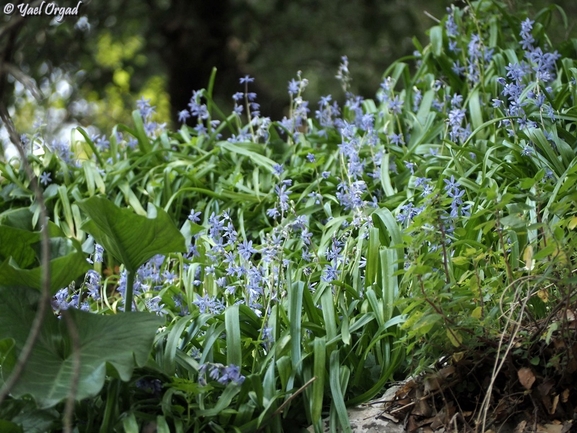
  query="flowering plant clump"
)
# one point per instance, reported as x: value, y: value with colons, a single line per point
x: 290, y: 268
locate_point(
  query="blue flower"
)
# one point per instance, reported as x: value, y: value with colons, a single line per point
x: 330, y: 273
x: 45, y: 178
x: 246, y: 79
x: 194, y: 216
x: 245, y: 249
x: 146, y: 110
x: 397, y: 139
x: 396, y: 105
x: 293, y: 87
x: 451, y: 186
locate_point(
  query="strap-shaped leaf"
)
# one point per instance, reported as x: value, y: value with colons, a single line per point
x: 132, y: 239
x: 121, y: 341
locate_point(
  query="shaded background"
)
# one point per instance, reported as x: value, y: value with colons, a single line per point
x: 92, y: 68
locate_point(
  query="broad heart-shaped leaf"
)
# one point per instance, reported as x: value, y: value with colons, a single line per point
x: 132, y: 239
x: 67, y: 261
x: 118, y: 340
x: 17, y: 243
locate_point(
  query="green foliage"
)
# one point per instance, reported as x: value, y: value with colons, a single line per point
x: 50, y: 370
x: 130, y: 238
x: 21, y: 264
x: 322, y: 256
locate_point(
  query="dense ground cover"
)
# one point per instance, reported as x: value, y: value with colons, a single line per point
x: 277, y: 271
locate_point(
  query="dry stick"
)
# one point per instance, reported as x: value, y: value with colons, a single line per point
x: 45, y: 261
x: 499, y: 364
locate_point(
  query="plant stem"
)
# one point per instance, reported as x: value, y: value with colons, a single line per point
x: 111, y: 403
x: 129, y: 289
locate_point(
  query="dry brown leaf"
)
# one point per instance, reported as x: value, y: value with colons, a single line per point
x: 526, y: 377
x: 406, y: 389
x: 389, y: 417
x: 571, y: 366
x: 391, y: 393
x: 550, y: 428
x: 554, y: 404
x: 412, y: 424
x: 565, y: 396
x: 431, y: 384
x: 545, y: 387
x: 447, y: 371
x: 520, y: 428
x: 422, y: 408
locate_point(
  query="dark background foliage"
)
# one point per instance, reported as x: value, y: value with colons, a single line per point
x: 180, y: 41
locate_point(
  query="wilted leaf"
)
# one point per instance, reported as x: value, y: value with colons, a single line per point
x: 528, y: 258
x: 550, y: 428
x: 526, y: 377
x: 454, y: 337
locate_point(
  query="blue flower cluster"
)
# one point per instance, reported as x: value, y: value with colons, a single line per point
x: 223, y: 374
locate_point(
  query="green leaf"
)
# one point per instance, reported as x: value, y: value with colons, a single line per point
x: 121, y: 341
x: 16, y: 243
x: 547, y: 251
x: 132, y: 239
x: 475, y: 109
x: 436, y: 35
x: 319, y: 369
x: 385, y: 176
x: 232, y: 323
x: 140, y: 133
x: 261, y: 160
x: 295, y: 302
x: 337, y: 392
x: 129, y: 424
x: 9, y: 427
x: 67, y: 260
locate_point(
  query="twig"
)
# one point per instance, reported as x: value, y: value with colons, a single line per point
x: 437, y: 20
x: 500, y: 362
